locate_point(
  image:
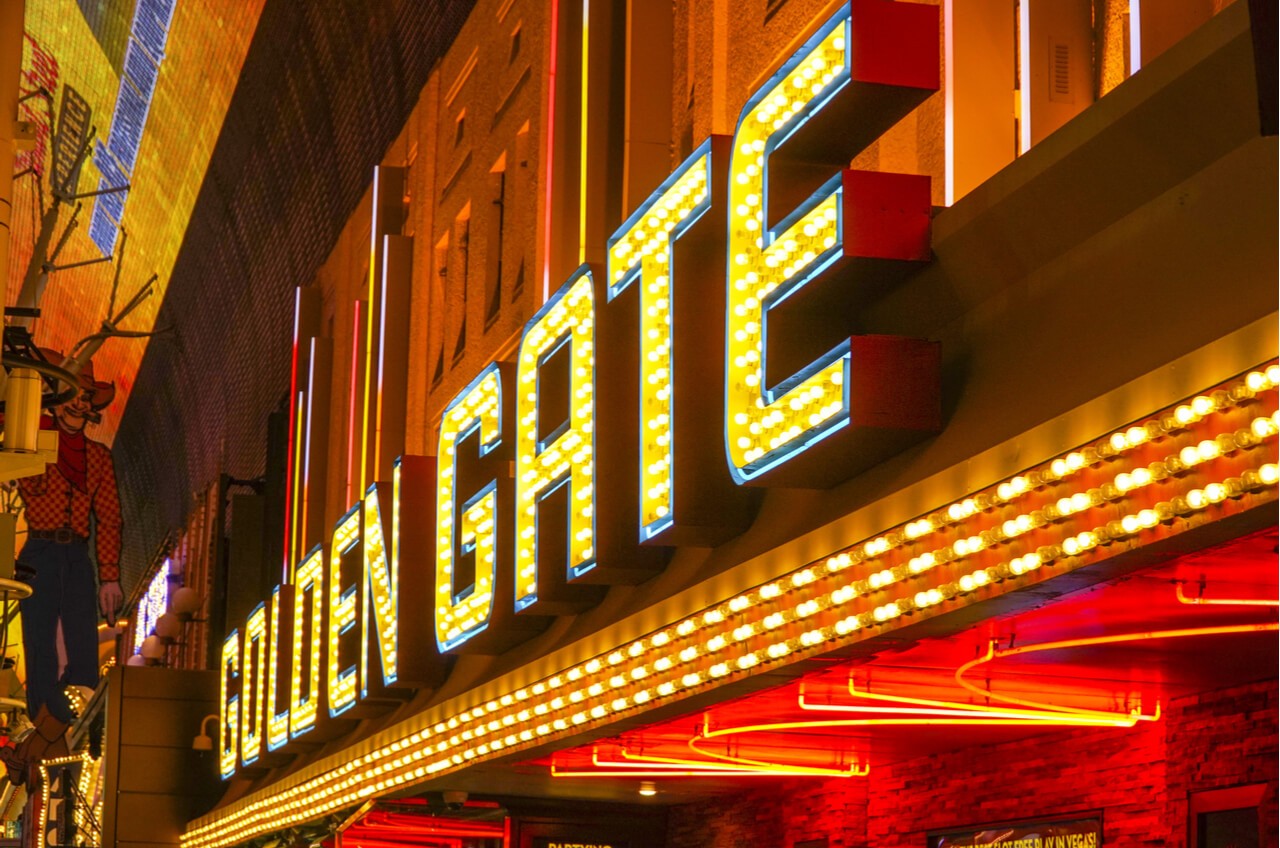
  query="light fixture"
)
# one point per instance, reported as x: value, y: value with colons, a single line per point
x: 648, y: 788
x: 185, y: 602
x: 204, y: 742
x: 153, y: 649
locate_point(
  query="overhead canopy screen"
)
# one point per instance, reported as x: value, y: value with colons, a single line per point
x: 143, y: 87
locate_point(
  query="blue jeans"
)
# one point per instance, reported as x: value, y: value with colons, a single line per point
x: 62, y: 589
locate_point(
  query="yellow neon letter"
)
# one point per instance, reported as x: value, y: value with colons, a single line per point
x: 642, y: 251
x: 567, y: 458
x: 253, y: 687
x: 277, y: 722
x: 308, y: 649
x: 342, y: 680
x: 230, y: 729
x: 463, y: 611
x: 766, y: 426
x: 381, y: 587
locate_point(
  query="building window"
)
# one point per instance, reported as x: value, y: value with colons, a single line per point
x: 494, y: 242
x: 462, y: 233
x: 515, y: 45
x: 1227, y: 818
x: 437, y: 306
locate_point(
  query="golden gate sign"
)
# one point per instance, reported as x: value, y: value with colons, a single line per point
x: 622, y: 373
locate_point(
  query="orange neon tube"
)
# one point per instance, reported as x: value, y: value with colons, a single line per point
x: 958, y: 712
x: 993, y: 654
x: 1235, y: 602
x: 707, y: 733
x: 1133, y: 717
x: 722, y: 767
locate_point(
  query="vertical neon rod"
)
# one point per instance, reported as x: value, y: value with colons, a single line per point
x: 1135, y: 36
x: 354, y: 433
x: 582, y: 122
x: 1024, y: 75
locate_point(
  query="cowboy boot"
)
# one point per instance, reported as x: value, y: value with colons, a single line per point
x: 15, y: 761
x: 49, y: 740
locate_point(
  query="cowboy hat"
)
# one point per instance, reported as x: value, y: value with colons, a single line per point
x: 102, y: 393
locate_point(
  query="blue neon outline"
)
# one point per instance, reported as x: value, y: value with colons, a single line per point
x: 769, y: 234
x: 262, y: 709
x: 487, y: 446
x: 572, y: 572
x: 272, y: 715
x: 631, y: 274
x: 231, y: 700
x: 353, y: 669
x: 393, y: 576
x: 322, y: 677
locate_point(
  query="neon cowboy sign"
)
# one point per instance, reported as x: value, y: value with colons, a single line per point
x: 711, y: 356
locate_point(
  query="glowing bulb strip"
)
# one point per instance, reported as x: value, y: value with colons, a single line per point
x: 45, y: 789
x: 304, y: 703
x: 153, y: 604
x: 342, y: 681
x: 228, y: 740
x: 253, y: 686
x: 381, y: 586
x: 1231, y: 602
x: 88, y: 815
x: 641, y: 253
x: 766, y: 426
x: 277, y: 722
x: 730, y: 639
x: 567, y: 458
x: 463, y: 611
x: 993, y: 654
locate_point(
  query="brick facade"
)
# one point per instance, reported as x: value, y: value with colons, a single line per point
x: 1139, y: 778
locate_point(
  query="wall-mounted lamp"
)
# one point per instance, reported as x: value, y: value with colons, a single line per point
x: 204, y: 742
x: 185, y: 602
x: 153, y: 649
x: 648, y: 788
x: 169, y: 627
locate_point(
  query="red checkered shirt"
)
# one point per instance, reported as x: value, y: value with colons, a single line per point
x: 53, y: 503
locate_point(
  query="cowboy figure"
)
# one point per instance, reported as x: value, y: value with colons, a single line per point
x: 60, y: 505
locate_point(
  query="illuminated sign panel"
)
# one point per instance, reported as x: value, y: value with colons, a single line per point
x: 1074, y: 833
x: 510, y: 525
x: 153, y: 605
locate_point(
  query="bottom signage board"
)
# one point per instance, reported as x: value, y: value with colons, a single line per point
x: 1083, y: 832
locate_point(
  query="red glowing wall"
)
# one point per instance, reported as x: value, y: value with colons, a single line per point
x: 1140, y: 778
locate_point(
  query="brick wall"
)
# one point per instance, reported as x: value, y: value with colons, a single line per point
x: 1140, y: 778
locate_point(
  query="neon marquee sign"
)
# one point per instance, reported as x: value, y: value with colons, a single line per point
x: 153, y: 604
x: 610, y: 383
